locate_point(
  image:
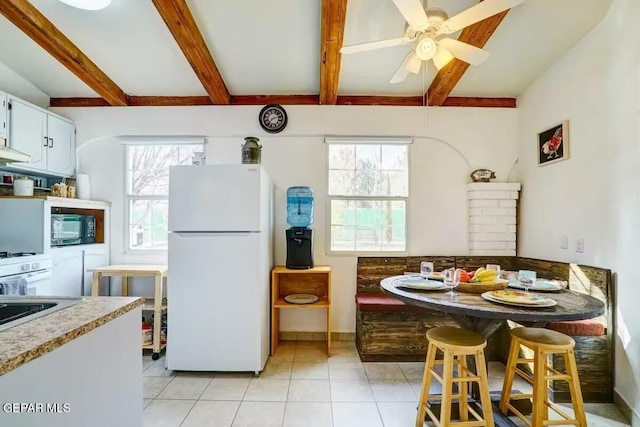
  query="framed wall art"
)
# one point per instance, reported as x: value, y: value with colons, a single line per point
x: 553, y: 144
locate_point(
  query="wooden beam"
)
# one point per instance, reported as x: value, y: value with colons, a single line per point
x: 78, y: 102
x: 179, y: 20
x: 381, y: 100
x: 331, y: 33
x: 479, y: 102
x: 275, y: 99
x: 168, y: 101
x: 448, y: 77
x: 35, y: 25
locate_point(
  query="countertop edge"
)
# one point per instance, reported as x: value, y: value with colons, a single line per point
x: 60, y: 340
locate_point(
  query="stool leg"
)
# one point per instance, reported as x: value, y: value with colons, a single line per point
x: 510, y: 372
x: 447, y: 389
x: 485, y: 396
x: 463, y: 389
x: 426, y: 383
x: 540, y: 410
x: 574, y: 388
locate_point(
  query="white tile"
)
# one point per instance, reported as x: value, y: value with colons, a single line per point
x: 146, y: 402
x: 310, y: 371
x: 434, y: 388
x: 285, y: 351
x: 166, y: 413
x: 355, y: 415
x: 398, y: 414
x: 157, y: 369
x: 226, y: 389
x: 383, y: 371
x: 211, y: 414
x: 152, y: 386
x: 308, y: 414
x: 185, y: 388
x: 310, y: 353
x: 392, y: 391
x: 309, y: 391
x: 351, y: 391
x: 347, y: 371
x: 277, y: 369
x: 412, y: 370
x: 267, y: 390
x: 344, y: 355
x: 260, y: 414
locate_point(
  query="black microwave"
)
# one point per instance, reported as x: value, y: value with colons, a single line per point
x: 72, y: 229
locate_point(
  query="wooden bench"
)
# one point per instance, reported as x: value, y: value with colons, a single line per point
x: 388, y: 330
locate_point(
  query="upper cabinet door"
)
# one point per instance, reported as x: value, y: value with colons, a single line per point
x: 62, y: 147
x: 27, y: 133
x: 3, y: 115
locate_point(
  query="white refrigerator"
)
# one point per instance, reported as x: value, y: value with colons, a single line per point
x: 220, y: 259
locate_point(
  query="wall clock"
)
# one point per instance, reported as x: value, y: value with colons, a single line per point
x: 273, y: 118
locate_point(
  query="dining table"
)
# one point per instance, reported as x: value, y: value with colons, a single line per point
x: 473, y: 312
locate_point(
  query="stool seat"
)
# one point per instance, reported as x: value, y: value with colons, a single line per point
x: 451, y: 337
x: 536, y: 337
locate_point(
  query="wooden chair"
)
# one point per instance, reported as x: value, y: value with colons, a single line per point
x: 456, y: 344
x: 543, y: 343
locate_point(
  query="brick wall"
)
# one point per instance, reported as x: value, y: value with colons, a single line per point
x: 492, y: 218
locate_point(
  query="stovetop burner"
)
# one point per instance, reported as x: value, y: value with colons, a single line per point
x: 15, y: 254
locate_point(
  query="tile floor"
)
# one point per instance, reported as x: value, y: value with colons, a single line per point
x: 301, y: 387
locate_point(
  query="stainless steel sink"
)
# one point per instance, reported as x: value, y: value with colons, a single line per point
x: 15, y: 310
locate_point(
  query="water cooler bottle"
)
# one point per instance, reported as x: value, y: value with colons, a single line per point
x: 299, y: 236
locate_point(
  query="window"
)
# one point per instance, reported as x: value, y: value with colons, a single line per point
x: 368, y: 195
x: 147, y: 191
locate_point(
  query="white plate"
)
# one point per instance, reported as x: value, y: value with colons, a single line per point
x: 418, y: 283
x: 301, y: 299
x: 544, y: 303
x: 540, y: 285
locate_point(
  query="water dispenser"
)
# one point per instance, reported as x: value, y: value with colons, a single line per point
x: 299, y: 236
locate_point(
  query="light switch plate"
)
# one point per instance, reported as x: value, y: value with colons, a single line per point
x: 564, y: 242
x: 580, y: 245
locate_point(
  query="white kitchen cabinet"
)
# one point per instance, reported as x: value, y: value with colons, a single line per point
x: 27, y: 133
x: 93, y: 258
x: 67, y: 272
x: 49, y: 139
x: 3, y: 115
x: 61, y: 151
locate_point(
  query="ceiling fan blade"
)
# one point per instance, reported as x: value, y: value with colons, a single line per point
x: 411, y: 64
x: 442, y: 57
x: 363, y: 47
x: 413, y: 13
x: 477, y: 13
x: 465, y: 52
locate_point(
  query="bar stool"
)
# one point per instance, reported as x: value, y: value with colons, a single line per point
x: 543, y: 342
x: 456, y: 344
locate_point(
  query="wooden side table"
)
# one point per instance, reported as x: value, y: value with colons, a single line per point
x: 284, y: 281
x: 158, y: 272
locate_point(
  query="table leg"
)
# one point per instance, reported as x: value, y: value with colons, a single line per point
x: 95, y: 284
x: 125, y: 286
x: 329, y: 331
x: 157, y: 317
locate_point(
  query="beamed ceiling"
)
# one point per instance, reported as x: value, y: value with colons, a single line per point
x: 204, y: 52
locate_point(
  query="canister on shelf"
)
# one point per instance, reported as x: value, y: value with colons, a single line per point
x: 147, y: 334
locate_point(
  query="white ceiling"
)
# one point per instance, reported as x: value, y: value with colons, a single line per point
x: 273, y: 47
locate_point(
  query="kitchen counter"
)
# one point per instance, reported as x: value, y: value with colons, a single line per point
x: 31, y: 340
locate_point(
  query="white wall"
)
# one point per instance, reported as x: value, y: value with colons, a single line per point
x: 465, y: 138
x: 15, y: 84
x: 595, y: 194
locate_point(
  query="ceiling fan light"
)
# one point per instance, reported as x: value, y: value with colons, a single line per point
x: 442, y: 58
x: 87, y: 4
x: 426, y: 48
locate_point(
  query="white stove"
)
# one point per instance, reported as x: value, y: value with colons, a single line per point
x: 25, y: 274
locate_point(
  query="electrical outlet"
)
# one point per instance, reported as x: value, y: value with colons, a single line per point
x: 564, y: 242
x: 580, y: 245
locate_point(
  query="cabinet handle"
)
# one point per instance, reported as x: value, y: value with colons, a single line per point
x: 51, y: 140
x: 46, y: 144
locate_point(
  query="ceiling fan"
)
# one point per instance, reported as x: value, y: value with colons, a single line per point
x: 424, y: 28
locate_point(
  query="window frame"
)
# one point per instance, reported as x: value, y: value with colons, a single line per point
x: 371, y: 141
x: 127, y: 198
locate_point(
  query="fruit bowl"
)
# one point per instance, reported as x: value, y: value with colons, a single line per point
x: 482, y: 287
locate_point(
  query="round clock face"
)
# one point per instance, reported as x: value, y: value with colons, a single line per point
x: 273, y: 118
